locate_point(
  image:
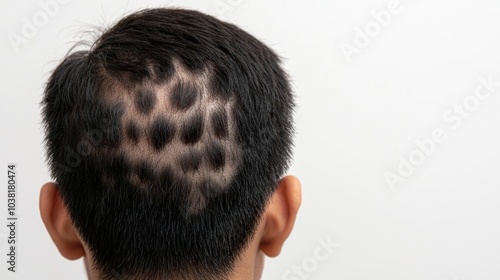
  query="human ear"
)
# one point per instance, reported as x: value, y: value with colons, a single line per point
x: 279, y: 216
x: 58, y: 223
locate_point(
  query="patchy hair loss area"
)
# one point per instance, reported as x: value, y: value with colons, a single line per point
x: 178, y: 127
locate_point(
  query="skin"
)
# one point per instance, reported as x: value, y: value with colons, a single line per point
x: 273, y: 230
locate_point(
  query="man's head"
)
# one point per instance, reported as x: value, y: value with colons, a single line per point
x: 168, y: 140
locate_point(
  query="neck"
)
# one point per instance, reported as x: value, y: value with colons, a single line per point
x: 248, y: 267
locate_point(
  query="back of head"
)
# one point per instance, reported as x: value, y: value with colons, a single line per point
x: 167, y: 139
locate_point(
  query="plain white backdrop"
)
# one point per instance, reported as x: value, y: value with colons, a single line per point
x: 385, y: 89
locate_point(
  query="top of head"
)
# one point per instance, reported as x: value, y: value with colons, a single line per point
x: 175, y: 126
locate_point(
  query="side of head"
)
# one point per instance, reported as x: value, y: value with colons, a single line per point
x: 167, y: 140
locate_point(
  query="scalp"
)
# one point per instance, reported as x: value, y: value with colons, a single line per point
x: 176, y: 127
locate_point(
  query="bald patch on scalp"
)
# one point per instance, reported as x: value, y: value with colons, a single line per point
x: 132, y: 131
x: 183, y: 95
x: 219, y: 122
x: 216, y: 155
x: 192, y: 129
x: 145, y: 100
x: 178, y: 130
x: 190, y: 161
x: 162, y: 131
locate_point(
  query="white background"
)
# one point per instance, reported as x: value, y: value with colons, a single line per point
x: 358, y: 117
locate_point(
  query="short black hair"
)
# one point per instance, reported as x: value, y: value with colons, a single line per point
x: 167, y: 138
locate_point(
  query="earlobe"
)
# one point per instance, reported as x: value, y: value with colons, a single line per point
x: 280, y: 215
x: 58, y: 223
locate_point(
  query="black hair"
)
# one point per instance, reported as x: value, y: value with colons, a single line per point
x: 167, y: 138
